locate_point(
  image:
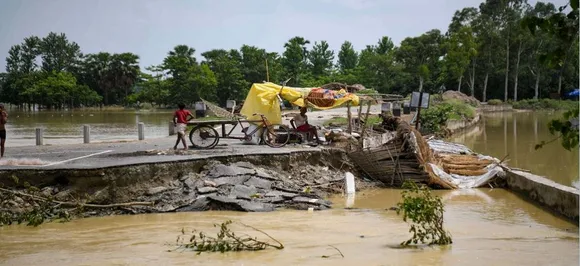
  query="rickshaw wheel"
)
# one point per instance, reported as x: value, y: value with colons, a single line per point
x: 204, y: 137
x: 276, y: 135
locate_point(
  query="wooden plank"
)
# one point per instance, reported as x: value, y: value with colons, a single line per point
x: 212, y: 122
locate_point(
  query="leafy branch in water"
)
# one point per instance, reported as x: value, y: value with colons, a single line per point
x: 425, y: 212
x: 226, y: 240
x: 566, y: 130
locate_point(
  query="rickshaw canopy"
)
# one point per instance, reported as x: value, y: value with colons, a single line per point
x: 263, y: 98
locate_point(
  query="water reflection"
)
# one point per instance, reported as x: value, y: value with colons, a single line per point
x: 104, y: 125
x: 521, y: 132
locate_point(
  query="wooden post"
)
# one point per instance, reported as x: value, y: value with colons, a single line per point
x: 360, y: 113
x: 419, y: 110
x: 364, y: 126
x: 267, y: 71
x: 349, y: 117
x: 141, y: 130
x: 86, y: 134
x: 171, y: 128
x: 39, y: 137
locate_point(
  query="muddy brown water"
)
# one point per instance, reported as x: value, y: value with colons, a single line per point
x: 516, y: 134
x: 489, y: 227
x: 65, y: 127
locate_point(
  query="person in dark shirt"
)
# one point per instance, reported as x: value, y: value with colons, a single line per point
x: 180, y: 118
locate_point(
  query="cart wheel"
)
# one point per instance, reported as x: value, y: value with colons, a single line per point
x: 276, y: 136
x: 204, y: 136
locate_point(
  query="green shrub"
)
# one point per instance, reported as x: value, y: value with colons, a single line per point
x: 494, y: 102
x: 434, y: 118
x: 424, y: 212
x: 542, y: 104
x: 460, y: 110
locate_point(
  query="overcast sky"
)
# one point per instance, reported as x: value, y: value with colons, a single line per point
x: 150, y: 28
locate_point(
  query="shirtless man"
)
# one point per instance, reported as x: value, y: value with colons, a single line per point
x: 301, y: 122
x: 3, y: 120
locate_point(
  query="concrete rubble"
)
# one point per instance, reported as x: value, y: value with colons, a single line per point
x: 236, y: 186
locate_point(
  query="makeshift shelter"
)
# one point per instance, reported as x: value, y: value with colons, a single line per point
x: 264, y: 98
x: 410, y: 156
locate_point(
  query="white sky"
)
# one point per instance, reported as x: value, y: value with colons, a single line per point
x: 150, y: 28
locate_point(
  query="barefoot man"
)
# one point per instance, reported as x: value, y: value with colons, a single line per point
x: 180, y: 119
x: 3, y: 119
x: 300, y: 121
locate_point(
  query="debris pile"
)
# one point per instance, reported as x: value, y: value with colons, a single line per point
x: 410, y: 156
x: 236, y: 186
x: 456, y: 95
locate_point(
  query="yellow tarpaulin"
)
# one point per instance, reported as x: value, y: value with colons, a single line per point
x: 263, y: 99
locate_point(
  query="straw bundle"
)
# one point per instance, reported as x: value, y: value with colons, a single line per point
x: 218, y: 111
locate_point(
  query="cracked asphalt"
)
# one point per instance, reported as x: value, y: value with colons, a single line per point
x: 100, y: 155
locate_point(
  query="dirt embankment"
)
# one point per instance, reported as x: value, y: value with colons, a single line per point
x: 249, y: 183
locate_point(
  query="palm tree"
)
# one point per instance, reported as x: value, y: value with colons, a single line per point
x: 179, y: 60
x: 125, y: 71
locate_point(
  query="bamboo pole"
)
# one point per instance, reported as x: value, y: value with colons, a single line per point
x: 267, y: 71
x: 360, y: 113
x: 349, y: 117
x: 364, y: 126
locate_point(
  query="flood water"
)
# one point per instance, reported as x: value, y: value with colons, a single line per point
x: 66, y: 127
x: 515, y: 134
x: 489, y: 227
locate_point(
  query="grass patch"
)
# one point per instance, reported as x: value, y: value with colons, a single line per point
x: 545, y: 104
x: 459, y: 109
x: 495, y: 102
x: 343, y: 121
x: 336, y: 121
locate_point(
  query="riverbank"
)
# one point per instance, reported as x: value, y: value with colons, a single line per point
x: 244, y: 182
x: 234, y: 177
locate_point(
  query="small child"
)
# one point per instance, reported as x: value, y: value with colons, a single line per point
x: 180, y: 118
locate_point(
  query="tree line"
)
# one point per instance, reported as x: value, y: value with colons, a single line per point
x: 491, y: 51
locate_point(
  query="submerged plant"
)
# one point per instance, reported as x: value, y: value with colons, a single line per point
x: 425, y: 212
x: 225, y: 240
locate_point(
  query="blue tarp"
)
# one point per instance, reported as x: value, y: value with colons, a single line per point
x: 575, y: 92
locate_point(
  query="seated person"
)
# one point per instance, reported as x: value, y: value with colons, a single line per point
x: 300, y: 121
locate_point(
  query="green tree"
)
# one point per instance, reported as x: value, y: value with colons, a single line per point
x: 294, y: 59
x: 461, y: 50
x: 189, y: 81
x: 347, y: 57
x: 58, y: 53
x: 227, y: 66
x: 124, y: 71
x: 420, y: 55
x: 320, y: 59
x: 58, y: 89
x: 565, y: 28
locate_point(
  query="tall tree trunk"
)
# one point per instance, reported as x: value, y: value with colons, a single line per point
x: 472, y: 78
x: 485, y: 87
x: 560, y: 82
x: 537, y: 85
x: 564, y: 64
x: 420, y: 84
x: 459, y: 83
x: 517, y: 72
x: 507, y: 69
